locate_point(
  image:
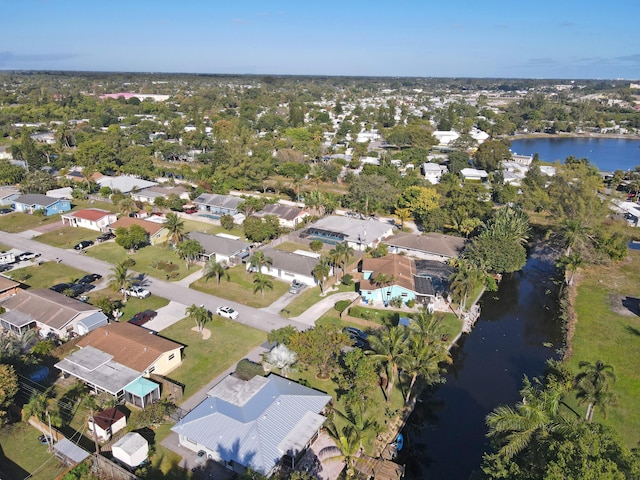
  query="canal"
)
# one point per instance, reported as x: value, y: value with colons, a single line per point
x: 518, y: 330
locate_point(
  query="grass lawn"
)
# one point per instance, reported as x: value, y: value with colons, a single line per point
x: 145, y: 259
x: 45, y: 275
x: 205, y: 359
x: 309, y: 297
x: 25, y: 454
x: 133, y: 305
x: 609, y: 331
x: 292, y: 247
x: 19, y: 222
x: 195, y: 226
x: 67, y: 237
x: 239, y: 288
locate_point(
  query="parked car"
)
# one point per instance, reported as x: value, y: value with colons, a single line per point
x: 4, y: 267
x: 296, y: 287
x: 141, y: 318
x: 4, y: 211
x: 191, y: 210
x: 227, y: 312
x: 136, y: 291
x: 358, y: 337
x: 83, y: 244
x: 90, y: 278
x: 27, y: 256
x: 75, y: 289
x: 61, y: 287
x: 105, y: 236
x: 45, y: 439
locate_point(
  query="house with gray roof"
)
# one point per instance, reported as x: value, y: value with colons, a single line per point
x: 290, y: 266
x: 8, y: 195
x: 149, y: 195
x: 289, y: 216
x: 359, y: 234
x: 31, y: 202
x: 124, y: 183
x: 218, y: 204
x: 428, y: 246
x: 260, y: 423
x: 222, y: 248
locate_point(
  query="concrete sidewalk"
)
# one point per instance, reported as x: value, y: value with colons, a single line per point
x: 314, y: 312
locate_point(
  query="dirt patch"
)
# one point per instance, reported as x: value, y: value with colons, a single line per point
x: 206, y: 333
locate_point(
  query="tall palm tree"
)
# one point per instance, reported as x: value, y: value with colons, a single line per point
x: 215, y: 269
x: 335, y: 258
x: 571, y: 263
x: 120, y: 279
x: 259, y: 260
x: 128, y: 205
x: 574, y: 233
x: 384, y: 280
x: 175, y: 225
x: 260, y: 282
x: 387, y: 347
x: 345, y: 251
x: 199, y: 314
x: 593, y: 386
x: 424, y: 360
x: 321, y: 272
x: 347, y: 441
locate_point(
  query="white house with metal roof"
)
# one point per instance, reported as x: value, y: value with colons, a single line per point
x: 260, y: 423
x: 359, y: 234
x: 290, y: 266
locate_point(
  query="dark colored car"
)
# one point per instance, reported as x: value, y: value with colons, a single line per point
x: 76, y: 289
x: 4, y: 211
x: 358, y: 337
x: 83, y: 244
x: 61, y: 287
x: 4, y: 267
x: 90, y: 278
x: 143, y: 317
x: 105, y: 236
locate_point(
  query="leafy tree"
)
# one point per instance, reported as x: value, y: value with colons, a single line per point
x: 199, y: 314
x: 132, y: 238
x: 190, y: 250
x: 215, y: 269
x: 490, y: 155
x: 281, y: 357
x: 372, y: 193
x: 260, y: 282
x: 226, y: 221
x: 282, y: 335
x: 320, y: 347
x: 37, y: 181
x: 357, y: 378
x: 8, y: 389
x: 316, y: 245
x: 261, y: 229
x: 420, y: 201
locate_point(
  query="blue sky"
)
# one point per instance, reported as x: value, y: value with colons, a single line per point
x: 461, y: 38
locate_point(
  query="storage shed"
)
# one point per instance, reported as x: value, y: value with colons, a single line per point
x: 132, y: 449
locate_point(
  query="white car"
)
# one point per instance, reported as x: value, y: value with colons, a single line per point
x: 137, y: 292
x: 227, y: 312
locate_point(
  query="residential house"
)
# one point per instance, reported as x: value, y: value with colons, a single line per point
x: 124, y: 183
x: 218, y: 204
x: 106, y: 423
x: 51, y: 313
x: 31, y: 202
x: 8, y: 195
x: 260, y: 423
x: 428, y: 246
x: 222, y: 248
x: 90, y: 218
x: 157, y: 232
x: 289, y: 266
x: 288, y: 216
x: 117, y: 357
x: 433, y: 172
x: 149, y: 195
x: 474, y: 174
x: 359, y: 234
x: 524, y: 160
x: 64, y: 192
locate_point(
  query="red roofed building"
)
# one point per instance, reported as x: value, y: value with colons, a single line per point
x: 107, y: 422
x: 91, y: 218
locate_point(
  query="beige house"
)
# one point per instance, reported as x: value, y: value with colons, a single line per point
x: 157, y: 232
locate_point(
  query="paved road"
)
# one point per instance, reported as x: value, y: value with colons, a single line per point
x: 174, y: 291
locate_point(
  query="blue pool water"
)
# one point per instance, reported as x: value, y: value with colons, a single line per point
x: 210, y: 215
x: 328, y: 241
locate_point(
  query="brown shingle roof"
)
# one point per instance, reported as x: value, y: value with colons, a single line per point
x: 396, y: 266
x: 151, y: 227
x: 132, y: 346
x: 436, y: 243
x: 7, y: 284
x: 108, y: 417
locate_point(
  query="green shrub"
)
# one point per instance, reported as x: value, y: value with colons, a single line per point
x: 341, y: 305
x: 316, y: 245
x: 411, y: 303
x: 129, y: 262
x: 247, y: 369
x: 347, y: 280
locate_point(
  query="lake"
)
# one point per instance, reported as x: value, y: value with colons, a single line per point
x: 446, y: 433
x: 608, y: 154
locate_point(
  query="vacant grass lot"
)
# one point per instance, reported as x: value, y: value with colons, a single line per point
x: 309, y: 297
x: 23, y: 454
x: 292, y: 247
x: 195, y: 226
x: 608, y: 329
x: 239, y: 288
x: 146, y: 259
x: 19, y: 222
x: 206, y: 359
x: 67, y: 237
x: 132, y: 306
x: 45, y: 275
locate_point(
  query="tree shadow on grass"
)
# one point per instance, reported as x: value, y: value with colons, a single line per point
x: 632, y: 330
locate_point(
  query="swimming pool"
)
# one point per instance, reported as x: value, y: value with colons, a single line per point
x: 210, y: 215
x: 328, y: 241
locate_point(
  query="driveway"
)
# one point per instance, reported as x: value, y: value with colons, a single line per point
x: 167, y: 316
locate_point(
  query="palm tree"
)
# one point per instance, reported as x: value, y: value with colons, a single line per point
x: 345, y: 252
x: 592, y: 385
x: 424, y: 360
x: 120, y: 279
x: 571, y: 263
x: 334, y: 258
x: 175, y: 225
x: 128, y: 205
x: 260, y: 282
x: 465, y: 279
x: 532, y: 419
x: 574, y: 233
x: 259, y: 260
x: 215, y: 269
x: 347, y: 441
x: 199, y: 314
x: 321, y: 272
x: 403, y: 214
x: 384, y: 280
x: 387, y: 347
